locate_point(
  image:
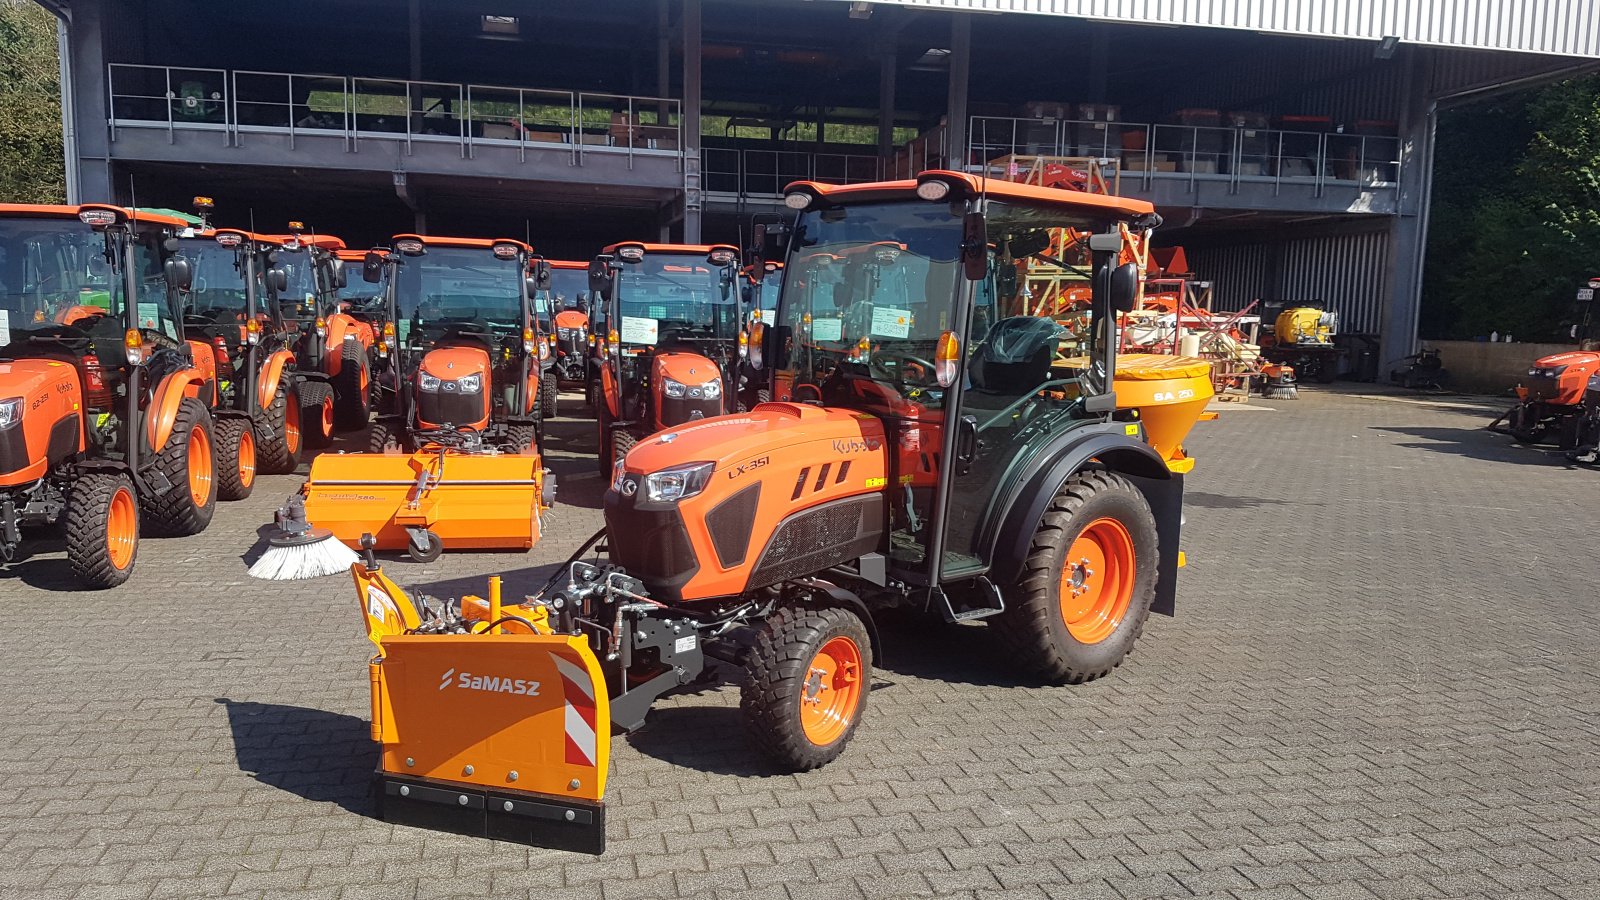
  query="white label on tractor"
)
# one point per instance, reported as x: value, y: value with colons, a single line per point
x: 827, y: 329
x: 494, y: 684
x: 890, y: 322
x: 149, y: 315
x: 637, y: 330
x: 684, y: 644
x: 5, y: 327
x: 1585, y: 294
x: 377, y: 602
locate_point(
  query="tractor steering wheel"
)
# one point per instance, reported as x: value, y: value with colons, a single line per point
x: 897, y: 373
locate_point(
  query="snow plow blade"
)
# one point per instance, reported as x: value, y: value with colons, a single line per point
x: 499, y: 735
x: 470, y: 500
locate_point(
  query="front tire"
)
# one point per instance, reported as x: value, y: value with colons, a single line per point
x: 102, y: 529
x: 1087, y: 584
x: 386, y: 437
x: 317, y: 414
x: 189, y: 462
x: 806, y: 684
x: 278, y: 443
x: 236, y: 458
x: 351, y: 401
x: 622, y: 440
x: 549, y: 393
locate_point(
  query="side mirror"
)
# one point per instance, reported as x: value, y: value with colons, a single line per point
x: 600, y: 276
x: 341, y: 277
x: 278, y: 280
x: 1125, y: 287
x: 841, y: 294
x: 771, y: 241
x: 541, y: 276
x: 974, y: 247
x: 1574, y: 333
x: 180, y: 275
x: 372, y: 268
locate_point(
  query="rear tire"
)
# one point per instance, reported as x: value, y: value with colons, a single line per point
x: 278, y: 443
x: 102, y: 529
x: 550, y: 393
x: 317, y: 414
x: 806, y: 684
x: 351, y: 402
x: 383, y: 437
x: 189, y: 461
x: 236, y: 458
x: 1072, y: 621
x: 622, y: 440
x: 522, y: 438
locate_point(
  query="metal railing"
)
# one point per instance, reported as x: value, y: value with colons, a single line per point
x: 239, y: 104
x: 750, y: 172
x: 1196, y: 153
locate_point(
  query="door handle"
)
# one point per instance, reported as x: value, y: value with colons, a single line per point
x: 966, y: 444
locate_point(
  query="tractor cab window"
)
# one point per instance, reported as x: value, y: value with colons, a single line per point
x: 357, y: 291
x: 51, y: 270
x: 569, y: 289
x: 667, y: 298
x: 461, y: 287
x: 299, y: 300
x: 155, y: 308
x: 869, y: 290
x: 217, y: 290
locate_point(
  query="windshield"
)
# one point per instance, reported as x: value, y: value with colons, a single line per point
x: 299, y: 300
x: 569, y: 286
x: 460, y: 285
x: 667, y: 297
x: 48, y: 266
x: 218, y: 286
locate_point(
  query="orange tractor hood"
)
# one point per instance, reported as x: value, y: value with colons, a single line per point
x: 788, y: 430
x: 1569, y: 358
x: 571, y: 318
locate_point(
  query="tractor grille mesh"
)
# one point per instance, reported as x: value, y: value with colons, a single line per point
x: 808, y: 542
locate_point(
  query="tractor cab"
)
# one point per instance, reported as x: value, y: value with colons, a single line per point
x: 568, y: 298
x: 672, y: 323
x: 467, y: 352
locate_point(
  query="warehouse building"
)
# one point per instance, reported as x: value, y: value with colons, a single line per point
x: 1288, y: 143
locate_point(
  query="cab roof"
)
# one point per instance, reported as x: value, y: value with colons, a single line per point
x: 58, y: 211
x: 324, y: 241
x: 566, y: 264
x: 270, y: 240
x: 684, y: 249
x: 471, y: 243
x: 349, y: 255
x: 971, y: 185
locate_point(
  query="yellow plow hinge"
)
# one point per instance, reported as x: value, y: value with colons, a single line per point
x: 470, y: 500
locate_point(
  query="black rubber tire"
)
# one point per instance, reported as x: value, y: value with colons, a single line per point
x: 351, y: 404
x: 276, y: 454
x: 434, y: 551
x: 232, y: 432
x: 776, y: 669
x: 1032, y: 627
x: 312, y: 395
x: 538, y: 418
x: 602, y: 447
x: 383, y: 437
x: 550, y: 393
x: 175, y: 512
x: 622, y: 440
x: 763, y: 395
x: 520, y: 438
x: 87, y: 524
x: 591, y: 396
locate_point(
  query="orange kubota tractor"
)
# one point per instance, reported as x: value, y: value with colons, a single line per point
x: 671, y: 339
x: 1550, y: 404
x: 333, y: 347
x: 101, y: 419
x: 453, y: 460
x: 569, y: 303
x: 766, y: 540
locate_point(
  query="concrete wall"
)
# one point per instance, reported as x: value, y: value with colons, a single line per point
x: 1480, y: 367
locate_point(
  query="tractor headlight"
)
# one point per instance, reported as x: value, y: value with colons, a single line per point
x: 677, y: 390
x: 677, y: 483
x: 1547, y: 372
x: 470, y: 384
x: 10, y: 412
x: 427, y: 382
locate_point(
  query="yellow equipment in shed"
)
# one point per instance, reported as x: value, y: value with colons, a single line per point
x: 1306, y: 326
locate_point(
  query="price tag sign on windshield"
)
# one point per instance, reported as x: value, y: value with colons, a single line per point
x: 636, y: 330
x: 827, y: 329
x: 890, y: 322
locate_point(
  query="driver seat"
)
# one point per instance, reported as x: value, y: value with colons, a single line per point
x: 1013, y: 360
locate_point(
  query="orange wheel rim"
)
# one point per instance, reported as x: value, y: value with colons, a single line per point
x: 247, y: 458
x: 327, y: 416
x: 122, y: 528
x: 1097, y: 580
x: 831, y: 692
x: 291, y: 428
x: 201, y: 471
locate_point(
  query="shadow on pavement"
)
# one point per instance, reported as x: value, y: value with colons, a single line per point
x: 318, y: 755
x: 1222, y: 501
x: 1475, y: 443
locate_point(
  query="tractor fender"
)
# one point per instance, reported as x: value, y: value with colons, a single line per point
x: 610, y: 392
x: 271, y: 375
x: 341, y: 328
x: 1011, y: 525
x: 205, y: 360
x: 850, y: 601
x: 163, y: 409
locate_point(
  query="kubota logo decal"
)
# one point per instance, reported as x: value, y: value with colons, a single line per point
x: 494, y: 684
x: 856, y: 445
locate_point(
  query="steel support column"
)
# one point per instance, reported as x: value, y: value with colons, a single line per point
x: 887, y: 66
x: 956, y: 102
x: 1408, y: 233
x: 86, y: 137
x: 690, y: 119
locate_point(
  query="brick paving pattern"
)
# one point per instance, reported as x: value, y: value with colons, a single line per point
x: 1381, y: 684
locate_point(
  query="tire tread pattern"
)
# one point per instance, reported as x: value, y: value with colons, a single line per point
x: 88, y: 519
x: 775, y: 673
x: 273, y: 456
x: 175, y: 513
x: 230, y: 431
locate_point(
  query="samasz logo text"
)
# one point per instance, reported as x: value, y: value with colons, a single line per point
x: 492, y: 683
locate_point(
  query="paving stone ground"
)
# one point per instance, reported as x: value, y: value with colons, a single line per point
x: 1381, y: 684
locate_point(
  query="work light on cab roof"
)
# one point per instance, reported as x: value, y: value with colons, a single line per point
x: 98, y: 218
x: 409, y: 246
x: 505, y: 250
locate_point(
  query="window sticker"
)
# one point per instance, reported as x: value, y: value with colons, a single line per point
x: 827, y: 329
x: 637, y: 330
x: 890, y: 322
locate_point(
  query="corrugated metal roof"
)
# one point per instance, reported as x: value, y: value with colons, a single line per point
x: 1564, y: 27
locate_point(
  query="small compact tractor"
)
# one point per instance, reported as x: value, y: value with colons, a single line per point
x: 333, y: 348
x: 1550, y: 404
x: 101, y: 421
x: 234, y: 305
x: 670, y: 342
x: 926, y: 452
x: 453, y: 459
x: 569, y: 300
x: 1302, y: 338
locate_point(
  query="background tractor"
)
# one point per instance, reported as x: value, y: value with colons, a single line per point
x: 334, y: 343
x: 925, y: 453
x: 569, y: 301
x: 1550, y: 403
x: 671, y: 328
x: 1302, y: 338
x: 101, y: 421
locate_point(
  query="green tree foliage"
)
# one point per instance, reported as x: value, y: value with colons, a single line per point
x: 31, y: 170
x: 1515, y: 222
